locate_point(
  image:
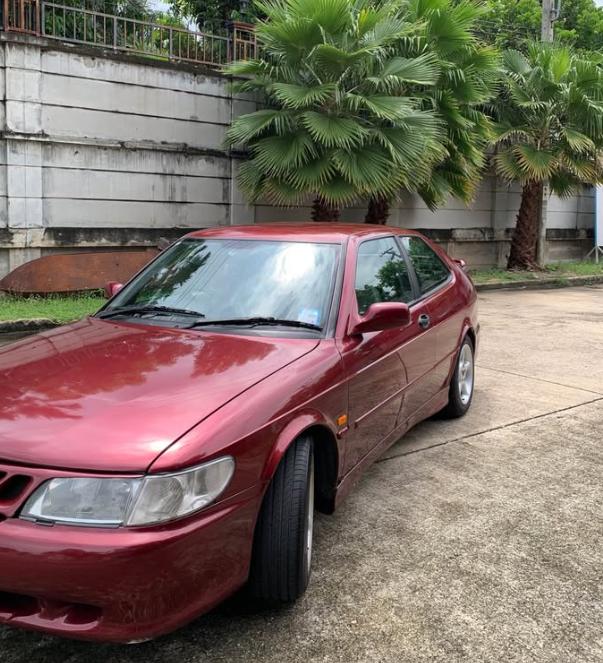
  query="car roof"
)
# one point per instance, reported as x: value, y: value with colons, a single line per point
x: 318, y: 232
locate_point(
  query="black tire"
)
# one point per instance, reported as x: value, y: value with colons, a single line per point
x: 281, y: 561
x: 459, y: 403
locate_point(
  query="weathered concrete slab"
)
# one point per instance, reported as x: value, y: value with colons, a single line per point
x: 556, y: 336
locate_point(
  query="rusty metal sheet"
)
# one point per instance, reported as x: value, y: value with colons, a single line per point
x: 70, y: 272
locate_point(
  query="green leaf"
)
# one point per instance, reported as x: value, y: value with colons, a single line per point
x: 313, y: 174
x: 413, y: 151
x: 577, y: 140
x: 333, y: 131
x: 281, y: 192
x: 368, y: 168
x: 332, y: 16
x: 278, y: 154
x: 516, y: 63
x: 332, y: 59
x: 250, y: 178
x: 338, y: 191
x: 560, y: 64
x: 423, y: 70
x: 290, y: 38
x: 293, y: 95
x: 384, y: 32
x: 582, y: 168
x: 247, y: 127
x: 508, y: 166
x: 536, y: 164
x: 505, y: 132
x: 386, y: 108
x: 563, y: 184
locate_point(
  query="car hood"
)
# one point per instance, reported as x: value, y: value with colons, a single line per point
x: 108, y: 396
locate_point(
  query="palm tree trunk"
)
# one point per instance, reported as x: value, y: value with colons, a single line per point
x: 525, y: 235
x: 378, y: 210
x: 324, y: 211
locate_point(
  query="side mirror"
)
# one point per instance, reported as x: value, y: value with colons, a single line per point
x: 112, y: 288
x: 461, y: 263
x: 384, y: 315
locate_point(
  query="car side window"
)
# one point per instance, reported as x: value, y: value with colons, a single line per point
x: 381, y: 274
x: 430, y: 270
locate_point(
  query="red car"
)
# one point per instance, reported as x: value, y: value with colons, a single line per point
x: 171, y: 449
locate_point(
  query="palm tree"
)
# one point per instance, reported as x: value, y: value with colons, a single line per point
x: 338, y: 124
x: 469, y: 73
x: 550, y: 131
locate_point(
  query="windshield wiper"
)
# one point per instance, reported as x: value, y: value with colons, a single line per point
x: 146, y: 308
x: 253, y: 322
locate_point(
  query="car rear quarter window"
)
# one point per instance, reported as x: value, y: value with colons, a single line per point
x: 381, y: 274
x: 429, y: 268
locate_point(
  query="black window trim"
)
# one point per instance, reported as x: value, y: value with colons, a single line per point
x: 411, y: 273
x: 415, y: 279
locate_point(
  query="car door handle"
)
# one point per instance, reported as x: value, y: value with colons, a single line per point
x: 424, y: 320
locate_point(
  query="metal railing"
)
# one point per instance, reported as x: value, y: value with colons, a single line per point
x: 79, y: 25
x: 21, y: 15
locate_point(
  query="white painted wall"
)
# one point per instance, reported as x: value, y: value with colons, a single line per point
x: 121, y: 150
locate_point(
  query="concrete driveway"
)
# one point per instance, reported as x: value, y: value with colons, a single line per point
x: 476, y: 540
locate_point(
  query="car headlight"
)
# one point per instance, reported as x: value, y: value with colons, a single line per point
x: 138, y: 501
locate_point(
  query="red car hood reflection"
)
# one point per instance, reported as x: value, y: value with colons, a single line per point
x: 101, y: 395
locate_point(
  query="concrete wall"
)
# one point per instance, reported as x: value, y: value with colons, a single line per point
x: 104, y: 151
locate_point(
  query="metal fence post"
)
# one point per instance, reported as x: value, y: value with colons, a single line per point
x: 243, y: 40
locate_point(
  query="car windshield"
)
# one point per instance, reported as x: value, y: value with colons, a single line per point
x: 232, y: 281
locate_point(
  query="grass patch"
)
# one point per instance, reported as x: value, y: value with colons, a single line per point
x: 582, y: 268
x: 60, y: 308
x: 66, y: 308
x: 559, y: 270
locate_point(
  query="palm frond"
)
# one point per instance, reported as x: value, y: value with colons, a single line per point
x: 508, y: 166
x: 398, y: 71
x: 333, y: 131
x: 393, y: 109
x: 577, y: 140
x: 504, y: 132
x: 536, y: 164
x: 314, y: 174
x: 368, y: 168
x: 563, y: 184
x: 338, y: 191
x: 293, y: 95
x: 278, y: 154
x: 247, y: 127
x: 515, y: 63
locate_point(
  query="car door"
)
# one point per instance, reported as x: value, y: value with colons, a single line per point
x: 372, y: 362
x: 428, y: 361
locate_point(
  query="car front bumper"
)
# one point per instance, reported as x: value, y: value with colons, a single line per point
x: 124, y: 585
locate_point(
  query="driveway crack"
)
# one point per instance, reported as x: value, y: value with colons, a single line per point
x: 489, y: 430
x: 530, y: 377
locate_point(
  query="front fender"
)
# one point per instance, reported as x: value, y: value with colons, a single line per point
x: 302, y: 421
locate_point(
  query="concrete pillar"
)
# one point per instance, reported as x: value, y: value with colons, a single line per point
x: 240, y: 212
x: 23, y: 124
